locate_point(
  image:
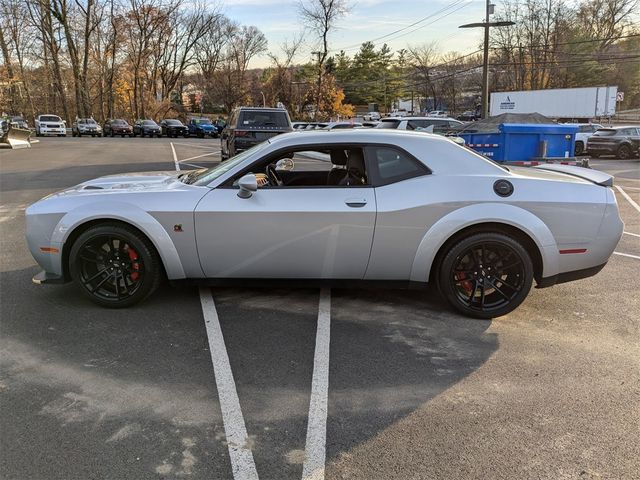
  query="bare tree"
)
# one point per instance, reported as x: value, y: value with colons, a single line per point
x: 424, y: 60
x: 320, y: 17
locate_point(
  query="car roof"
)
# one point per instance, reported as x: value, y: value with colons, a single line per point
x: 420, y: 118
x: 262, y: 109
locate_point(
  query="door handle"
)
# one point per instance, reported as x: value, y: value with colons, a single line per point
x: 355, y: 202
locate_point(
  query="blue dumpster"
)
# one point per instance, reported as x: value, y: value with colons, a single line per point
x: 524, y: 142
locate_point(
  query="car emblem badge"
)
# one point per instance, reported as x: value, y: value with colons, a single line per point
x: 177, y: 227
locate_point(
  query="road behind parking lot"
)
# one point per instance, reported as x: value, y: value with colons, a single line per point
x: 414, y: 391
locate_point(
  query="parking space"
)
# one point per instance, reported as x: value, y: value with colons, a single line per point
x: 384, y: 383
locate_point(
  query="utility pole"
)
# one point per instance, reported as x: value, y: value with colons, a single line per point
x: 485, y: 64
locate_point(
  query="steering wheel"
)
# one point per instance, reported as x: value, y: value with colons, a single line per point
x: 274, y: 178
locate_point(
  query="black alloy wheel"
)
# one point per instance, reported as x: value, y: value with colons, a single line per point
x: 579, y: 148
x: 624, y: 152
x: 114, y: 265
x: 486, y: 275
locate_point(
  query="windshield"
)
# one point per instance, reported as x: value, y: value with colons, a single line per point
x: 202, y: 121
x: 149, y: 122
x: 207, y: 176
x: 90, y: 121
x: 388, y: 124
x: 50, y: 118
x: 173, y: 122
x: 119, y: 122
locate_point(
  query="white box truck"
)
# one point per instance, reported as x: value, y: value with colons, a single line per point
x: 562, y: 103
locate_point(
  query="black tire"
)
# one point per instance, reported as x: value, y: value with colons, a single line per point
x: 128, y: 259
x: 624, y: 152
x: 471, y: 264
x: 579, y: 150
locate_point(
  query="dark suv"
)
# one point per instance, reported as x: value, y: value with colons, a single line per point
x: 623, y: 142
x: 249, y: 126
x: 173, y: 128
x: 117, y: 127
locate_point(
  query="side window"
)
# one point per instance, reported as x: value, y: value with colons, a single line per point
x: 390, y: 165
x: 339, y: 166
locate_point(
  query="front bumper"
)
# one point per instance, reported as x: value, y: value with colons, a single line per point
x: 53, y: 131
x: 46, y: 277
x: 609, y: 149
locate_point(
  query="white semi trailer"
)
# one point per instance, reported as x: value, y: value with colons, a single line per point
x: 580, y: 104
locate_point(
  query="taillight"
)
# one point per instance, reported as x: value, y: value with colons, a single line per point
x: 242, y: 133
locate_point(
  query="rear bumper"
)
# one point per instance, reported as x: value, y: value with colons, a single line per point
x: 569, y: 276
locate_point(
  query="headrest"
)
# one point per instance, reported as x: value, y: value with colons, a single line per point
x: 338, y: 157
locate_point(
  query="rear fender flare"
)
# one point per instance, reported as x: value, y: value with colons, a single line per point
x: 135, y: 217
x: 478, y: 214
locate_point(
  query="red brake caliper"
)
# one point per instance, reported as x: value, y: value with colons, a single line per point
x: 466, y: 284
x: 133, y: 256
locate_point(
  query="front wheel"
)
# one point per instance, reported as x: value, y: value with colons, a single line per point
x: 114, y: 265
x: 486, y: 275
x: 579, y: 150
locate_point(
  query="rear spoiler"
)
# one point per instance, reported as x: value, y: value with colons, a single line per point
x: 595, y: 176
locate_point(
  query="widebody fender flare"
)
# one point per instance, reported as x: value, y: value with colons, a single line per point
x: 136, y: 217
x: 478, y: 214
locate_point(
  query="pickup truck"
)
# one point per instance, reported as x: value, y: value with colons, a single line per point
x: 50, y: 125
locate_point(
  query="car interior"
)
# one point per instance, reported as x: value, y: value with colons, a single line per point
x: 341, y: 166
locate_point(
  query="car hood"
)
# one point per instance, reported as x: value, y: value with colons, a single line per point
x: 130, y: 182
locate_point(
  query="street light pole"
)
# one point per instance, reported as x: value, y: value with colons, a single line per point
x: 485, y: 64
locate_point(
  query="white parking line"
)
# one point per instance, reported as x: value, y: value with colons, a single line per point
x: 175, y: 157
x: 199, y: 156
x: 626, y: 255
x: 194, y: 145
x: 315, y: 450
x: 632, y: 234
x: 242, y: 463
x: 631, y: 200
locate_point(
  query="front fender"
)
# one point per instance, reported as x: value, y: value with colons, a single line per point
x: 478, y: 214
x: 136, y: 217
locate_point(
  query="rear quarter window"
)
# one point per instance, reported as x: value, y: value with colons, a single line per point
x: 390, y: 165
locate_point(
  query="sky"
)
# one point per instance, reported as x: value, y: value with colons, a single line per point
x: 367, y: 20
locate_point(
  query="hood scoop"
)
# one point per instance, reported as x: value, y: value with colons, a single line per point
x: 93, y: 187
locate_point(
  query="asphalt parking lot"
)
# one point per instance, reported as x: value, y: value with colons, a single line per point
x: 414, y: 391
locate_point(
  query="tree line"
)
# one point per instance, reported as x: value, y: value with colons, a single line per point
x: 136, y: 59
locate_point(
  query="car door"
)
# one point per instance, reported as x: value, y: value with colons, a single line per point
x: 314, y: 232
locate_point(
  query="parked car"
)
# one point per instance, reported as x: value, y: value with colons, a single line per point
x: 468, y: 116
x: 117, y: 126
x: 341, y: 125
x: 585, y: 131
x: 50, y: 125
x: 146, y: 127
x: 385, y: 205
x: 18, y: 121
x: 299, y: 125
x: 623, y: 142
x: 371, y: 116
x: 249, y: 126
x: 85, y: 126
x: 174, y: 128
x: 316, y: 126
x: 201, y: 127
x: 441, y: 125
x: 438, y: 113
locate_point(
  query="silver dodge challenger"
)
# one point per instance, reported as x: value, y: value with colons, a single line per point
x: 366, y: 207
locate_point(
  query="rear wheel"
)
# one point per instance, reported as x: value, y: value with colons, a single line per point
x: 114, y: 265
x: 624, y: 152
x: 579, y: 147
x: 486, y: 275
